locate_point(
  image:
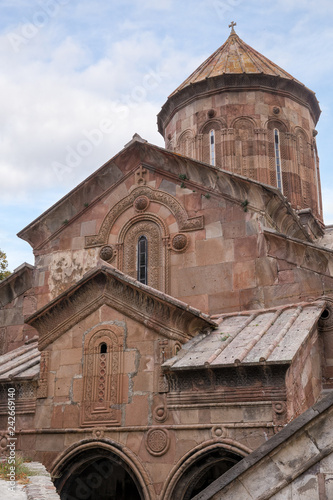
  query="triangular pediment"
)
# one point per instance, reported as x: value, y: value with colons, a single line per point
x: 139, y: 156
x: 161, y: 313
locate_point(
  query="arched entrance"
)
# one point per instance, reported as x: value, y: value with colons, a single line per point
x: 200, y: 468
x: 98, y: 471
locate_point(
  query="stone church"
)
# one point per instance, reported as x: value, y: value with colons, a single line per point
x: 174, y: 338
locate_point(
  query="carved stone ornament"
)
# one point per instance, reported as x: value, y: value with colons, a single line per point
x: 154, y: 230
x: 276, y: 110
x: 179, y: 242
x: 279, y: 407
x: 140, y: 174
x: 211, y: 113
x: 102, y: 378
x: 98, y: 433
x: 184, y: 222
x: 218, y: 431
x: 44, y: 370
x: 160, y: 413
x: 141, y: 203
x: 157, y: 441
x: 107, y: 253
x: 279, y: 414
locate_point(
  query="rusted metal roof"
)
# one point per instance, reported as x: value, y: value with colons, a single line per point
x: 235, y: 57
x: 20, y: 364
x: 270, y: 336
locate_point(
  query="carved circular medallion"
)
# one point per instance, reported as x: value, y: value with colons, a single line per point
x: 106, y: 253
x: 141, y: 203
x: 211, y: 113
x: 279, y: 407
x: 218, y: 431
x: 276, y: 110
x: 160, y: 413
x: 157, y: 441
x: 179, y: 242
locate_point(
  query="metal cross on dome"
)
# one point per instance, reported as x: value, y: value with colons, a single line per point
x: 231, y: 25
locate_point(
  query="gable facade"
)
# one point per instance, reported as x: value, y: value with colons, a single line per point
x: 179, y: 311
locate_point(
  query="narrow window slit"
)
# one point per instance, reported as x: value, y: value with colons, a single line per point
x: 278, y: 160
x: 142, y: 260
x: 103, y: 348
x: 212, y: 147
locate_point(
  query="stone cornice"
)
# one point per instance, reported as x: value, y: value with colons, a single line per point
x: 105, y: 285
x: 238, y: 83
x: 263, y: 198
x: 310, y: 256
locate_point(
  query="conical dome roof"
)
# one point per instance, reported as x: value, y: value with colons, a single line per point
x: 235, y: 57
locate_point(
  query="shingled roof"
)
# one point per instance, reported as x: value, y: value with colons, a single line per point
x: 271, y: 336
x: 22, y: 363
x: 235, y: 57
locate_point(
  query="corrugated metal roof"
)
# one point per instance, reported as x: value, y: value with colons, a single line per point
x: 235, y: 57
x: 22, y: 363
x: 266, y: 336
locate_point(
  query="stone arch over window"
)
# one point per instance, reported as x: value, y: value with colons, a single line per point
x: 151, y: 229
x: 185, y: 145
x: 200, y: 467
x: 140, y: 198
x: 214, y: 126
x: 245, y: 150
x: 278, y: 155
x: 102, y: 369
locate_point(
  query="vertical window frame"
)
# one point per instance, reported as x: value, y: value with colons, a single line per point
x: 212, y: 148
x: 277, y: 152
x: 142, y: 260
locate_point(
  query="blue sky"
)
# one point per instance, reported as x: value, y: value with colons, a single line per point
x: 70, y: 68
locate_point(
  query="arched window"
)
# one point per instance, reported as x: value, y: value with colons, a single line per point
x: 212, y: 146
x: 278, y: 159
x: 103, y: 348
x: 142, y: 260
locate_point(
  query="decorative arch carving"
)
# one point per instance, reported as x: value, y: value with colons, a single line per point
x: 214, y: 123
x: 180, y: 469
x: 185, y: 144
x: 157, y: 234
x: 102, y: 369
x: 184, y: 222
x: 273, y: 123
x: 241, y: 120
x: 217, y: 126
x: 245, y: 147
